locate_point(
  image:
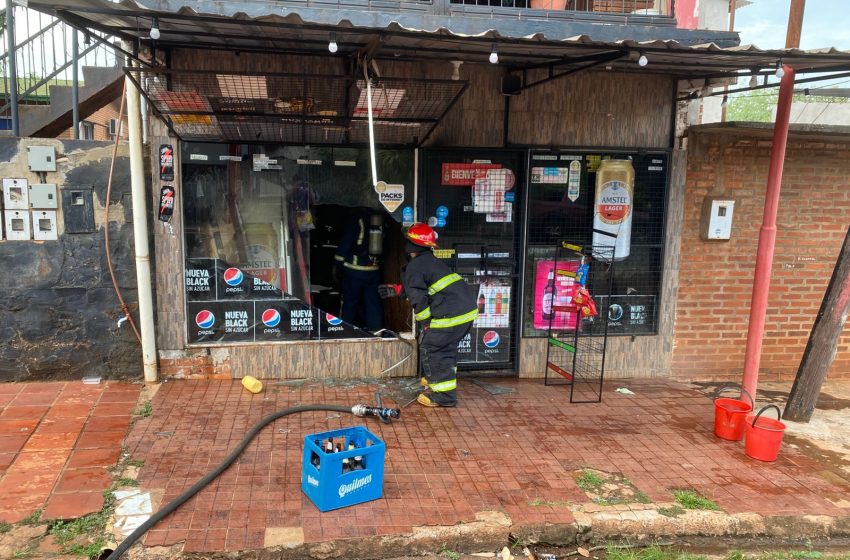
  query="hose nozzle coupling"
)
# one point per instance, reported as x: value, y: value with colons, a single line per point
x: 363, y: 410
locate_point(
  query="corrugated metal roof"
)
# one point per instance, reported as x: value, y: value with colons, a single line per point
x: 265, y: 25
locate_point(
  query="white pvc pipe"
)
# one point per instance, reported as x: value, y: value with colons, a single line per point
x: 371, y: 132
x: 140, y: 232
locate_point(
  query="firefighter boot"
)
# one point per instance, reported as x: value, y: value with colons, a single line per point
x: 434, y: 400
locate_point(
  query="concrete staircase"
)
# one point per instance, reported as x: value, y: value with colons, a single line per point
x: 98, y: 87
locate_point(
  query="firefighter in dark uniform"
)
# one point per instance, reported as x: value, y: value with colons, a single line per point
x: 444, y: 307
x: 360, y: 274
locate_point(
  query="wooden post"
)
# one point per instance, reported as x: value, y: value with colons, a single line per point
x: 823, y: 341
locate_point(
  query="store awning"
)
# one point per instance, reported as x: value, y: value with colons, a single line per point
x: 311, y: 109
x: 280, y: 27
x: 285, y: 108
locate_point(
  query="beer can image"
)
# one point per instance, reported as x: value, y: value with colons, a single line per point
x: 613, y: 205
x: 262, y: 253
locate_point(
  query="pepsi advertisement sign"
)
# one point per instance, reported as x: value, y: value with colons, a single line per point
x: 285, y: 320
x: 332, y: 326
x: 485, y: 345
x: 200, y: 280
x: 220, y: 321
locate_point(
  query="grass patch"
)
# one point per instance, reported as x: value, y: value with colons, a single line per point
x: 653, y: 552
x: 28, y: 552
x: 145, y: 410
x: 676, y: 511
x: 589, y: 480
x: 123, y: 482
x: 32, y: 519
x: 449, y: 554
x: 135, y: 463
x: 5, y: 527
x: 691, y: 499
x: 537, y: 502
x: 69, y: 535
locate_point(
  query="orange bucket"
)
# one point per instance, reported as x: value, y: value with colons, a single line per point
x: 730, y: 415
x: 764, y: 435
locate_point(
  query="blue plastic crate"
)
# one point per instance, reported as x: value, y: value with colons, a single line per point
x: 327, y: 485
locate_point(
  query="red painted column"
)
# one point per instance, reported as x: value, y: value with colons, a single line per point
x: 767, y: 235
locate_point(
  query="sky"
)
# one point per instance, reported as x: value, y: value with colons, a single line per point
x: 826, y: 23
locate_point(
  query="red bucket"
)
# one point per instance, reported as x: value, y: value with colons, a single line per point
x: 730, y: 415
x: 764, y: 435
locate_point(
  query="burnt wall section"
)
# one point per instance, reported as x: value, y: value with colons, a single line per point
x: 58, y: 310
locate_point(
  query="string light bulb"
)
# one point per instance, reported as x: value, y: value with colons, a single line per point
x: 456, y: 69
x: 155, y: 34
x: 725, y: 101
x: 780, y: 70
x: 643, y: 61
x: 332, y: 46
x: 494, y: 55
x: 754, y: 81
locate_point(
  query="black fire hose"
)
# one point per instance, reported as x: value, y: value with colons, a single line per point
x: 357, y: 410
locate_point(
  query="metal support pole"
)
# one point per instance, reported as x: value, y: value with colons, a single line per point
x: 767, y: 233
x: 75, y: 82
x: 13, y: 68
x: 140, y: 232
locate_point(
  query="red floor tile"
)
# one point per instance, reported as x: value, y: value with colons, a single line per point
x: 85, y: 479
x: 82, y: 458
x: 15, y: 412
x: 73, y: 505
x: 107, y: 423
x: 99, y: 440
x: 51, y: 441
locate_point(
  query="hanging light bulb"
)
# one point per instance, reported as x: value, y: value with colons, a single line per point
x: 754, y: 81
x: 643, y: 61
x: 155, y: 29
x: 456, y: 69
x: 780, y: 70
x: 332, y: 46
x: 494, y: 55
x: 725, y: 101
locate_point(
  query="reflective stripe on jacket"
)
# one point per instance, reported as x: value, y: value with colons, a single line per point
x: 437, y: 293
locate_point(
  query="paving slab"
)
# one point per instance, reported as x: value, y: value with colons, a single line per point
x: 516, y: 454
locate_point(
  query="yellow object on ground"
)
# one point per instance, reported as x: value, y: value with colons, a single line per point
x: 252, y: 384
x: 425, y: 401
x: 423, y: 381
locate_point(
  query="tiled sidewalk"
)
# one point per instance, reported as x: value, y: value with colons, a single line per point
x: 516, y: 453
x: 56, y: 442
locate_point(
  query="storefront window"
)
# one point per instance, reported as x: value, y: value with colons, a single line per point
x: 474, y: 198
x: 564, y: 206
x: 262, y: 227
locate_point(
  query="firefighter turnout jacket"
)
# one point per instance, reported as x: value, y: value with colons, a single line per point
x: 440, y: 297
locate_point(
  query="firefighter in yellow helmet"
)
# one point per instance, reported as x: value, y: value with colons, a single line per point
x: 444, y: 307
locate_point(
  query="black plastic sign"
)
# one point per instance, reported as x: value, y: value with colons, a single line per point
x: 166, y: 162
x: 166, y: 203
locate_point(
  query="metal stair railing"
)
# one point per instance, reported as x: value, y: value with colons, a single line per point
x: 46, y: 53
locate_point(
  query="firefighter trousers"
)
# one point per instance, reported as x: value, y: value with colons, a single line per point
x: 438, y: 355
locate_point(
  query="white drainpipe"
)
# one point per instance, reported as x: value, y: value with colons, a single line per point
x: 140, y: 231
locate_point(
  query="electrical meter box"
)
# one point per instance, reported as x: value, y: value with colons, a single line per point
x: 41, y: 158
x: 43, y: 196
x: 716, y: 219
x: 78, y: 209
x: 15, y: 194
x: 17, y: 225
x: 44, y: 225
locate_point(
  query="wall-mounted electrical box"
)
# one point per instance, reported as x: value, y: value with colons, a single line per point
x: 716, y: 219
x: 43, y: 196
x: 78, y: 209
x: 17, y: 225
x: 44, y: 225
x: 41, y: 158
x: 15, y: 194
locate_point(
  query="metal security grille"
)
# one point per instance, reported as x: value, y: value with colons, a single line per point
x: 295, y: 108
x: 474, y: 199
x: 562, y: 199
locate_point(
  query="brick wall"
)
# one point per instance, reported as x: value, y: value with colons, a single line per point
x: 100, y: 119
x: 716, y: 277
